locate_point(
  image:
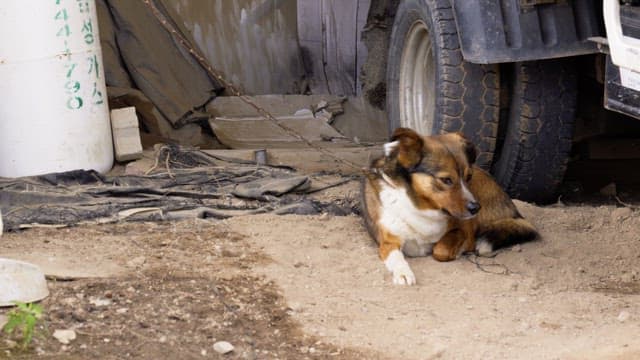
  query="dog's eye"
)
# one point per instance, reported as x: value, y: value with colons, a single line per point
x: 447, y: 181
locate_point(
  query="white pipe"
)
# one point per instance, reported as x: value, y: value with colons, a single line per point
x: 53, y: 100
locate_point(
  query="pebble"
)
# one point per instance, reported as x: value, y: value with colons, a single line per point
x: 64, y: 336
x: 79, y: 315
x: 99, y: 302
x: 626, y: 277
x: 517, y: 248
x: 223, y: 347
x: 621, y: 213
x: 3, y: 320
x: 623, y: 316
x: 137, y: 261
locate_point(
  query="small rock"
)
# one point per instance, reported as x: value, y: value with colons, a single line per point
x: 223, y: 347
x: 203, y: 352
x: 620, y: 213
x: 298, y: 264
x: 609, y: 190
x: 626, y: 277
x: 3, y: 320
x: 623, y: 316
x: 522, y: 299
x: 162, y: 339
x: 296, y: 307
x: 70, y: 301
x: 517, y: 248
x: 230, y: 253
x: 324, y: 217
x: 99, y: 302
x: 64, y: 336
x: 10, y: 344
x: 122, y: 311
x: 303, y: 112
x: 137, y: 261
x: 79, y: 315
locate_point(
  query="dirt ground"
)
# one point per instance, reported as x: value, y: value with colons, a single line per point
x: 296, y: 287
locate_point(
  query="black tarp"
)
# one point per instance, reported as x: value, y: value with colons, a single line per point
x: 146, y: 65
x: 184, y: 183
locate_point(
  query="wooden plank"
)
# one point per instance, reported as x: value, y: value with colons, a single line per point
x: 340, y: 45
x: 310, y: 160
x: 277, y: 105
x: 361, y: 48
x: 310, y: 38
x: 329, y: 33
x: 257, y: 132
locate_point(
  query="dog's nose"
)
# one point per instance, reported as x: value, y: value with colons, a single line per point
x: 473, y: 207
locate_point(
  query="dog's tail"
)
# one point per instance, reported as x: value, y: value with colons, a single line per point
x: 504, y: 232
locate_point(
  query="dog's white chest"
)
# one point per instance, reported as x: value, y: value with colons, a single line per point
x: 418, y: 229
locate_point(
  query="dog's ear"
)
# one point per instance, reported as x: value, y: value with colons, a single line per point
x: 468, y: 148
x: 407, y: 146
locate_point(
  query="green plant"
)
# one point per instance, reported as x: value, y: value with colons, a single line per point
x: 24, y: 317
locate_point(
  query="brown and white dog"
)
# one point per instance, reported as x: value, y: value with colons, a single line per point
x: 425, y: 196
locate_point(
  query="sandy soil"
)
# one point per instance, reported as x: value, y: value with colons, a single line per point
x: 312, y: 287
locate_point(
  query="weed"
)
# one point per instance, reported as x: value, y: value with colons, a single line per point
x: 24, y: 317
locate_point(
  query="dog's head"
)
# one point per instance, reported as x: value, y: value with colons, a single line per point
x: 437, y: 170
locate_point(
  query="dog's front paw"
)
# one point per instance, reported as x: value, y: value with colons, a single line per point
x: 399, y: 267
x: 403, y: 275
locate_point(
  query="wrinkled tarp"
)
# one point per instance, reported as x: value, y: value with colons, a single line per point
x: 139, y: 53
x: 184, y: 183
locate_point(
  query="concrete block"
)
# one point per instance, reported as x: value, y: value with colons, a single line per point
x: 126, y: 134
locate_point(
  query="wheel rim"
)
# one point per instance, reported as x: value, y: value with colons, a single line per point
x: 417, y: 80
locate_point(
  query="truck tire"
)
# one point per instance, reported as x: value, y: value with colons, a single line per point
x: 430, y: 88
x: 538, y: 132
